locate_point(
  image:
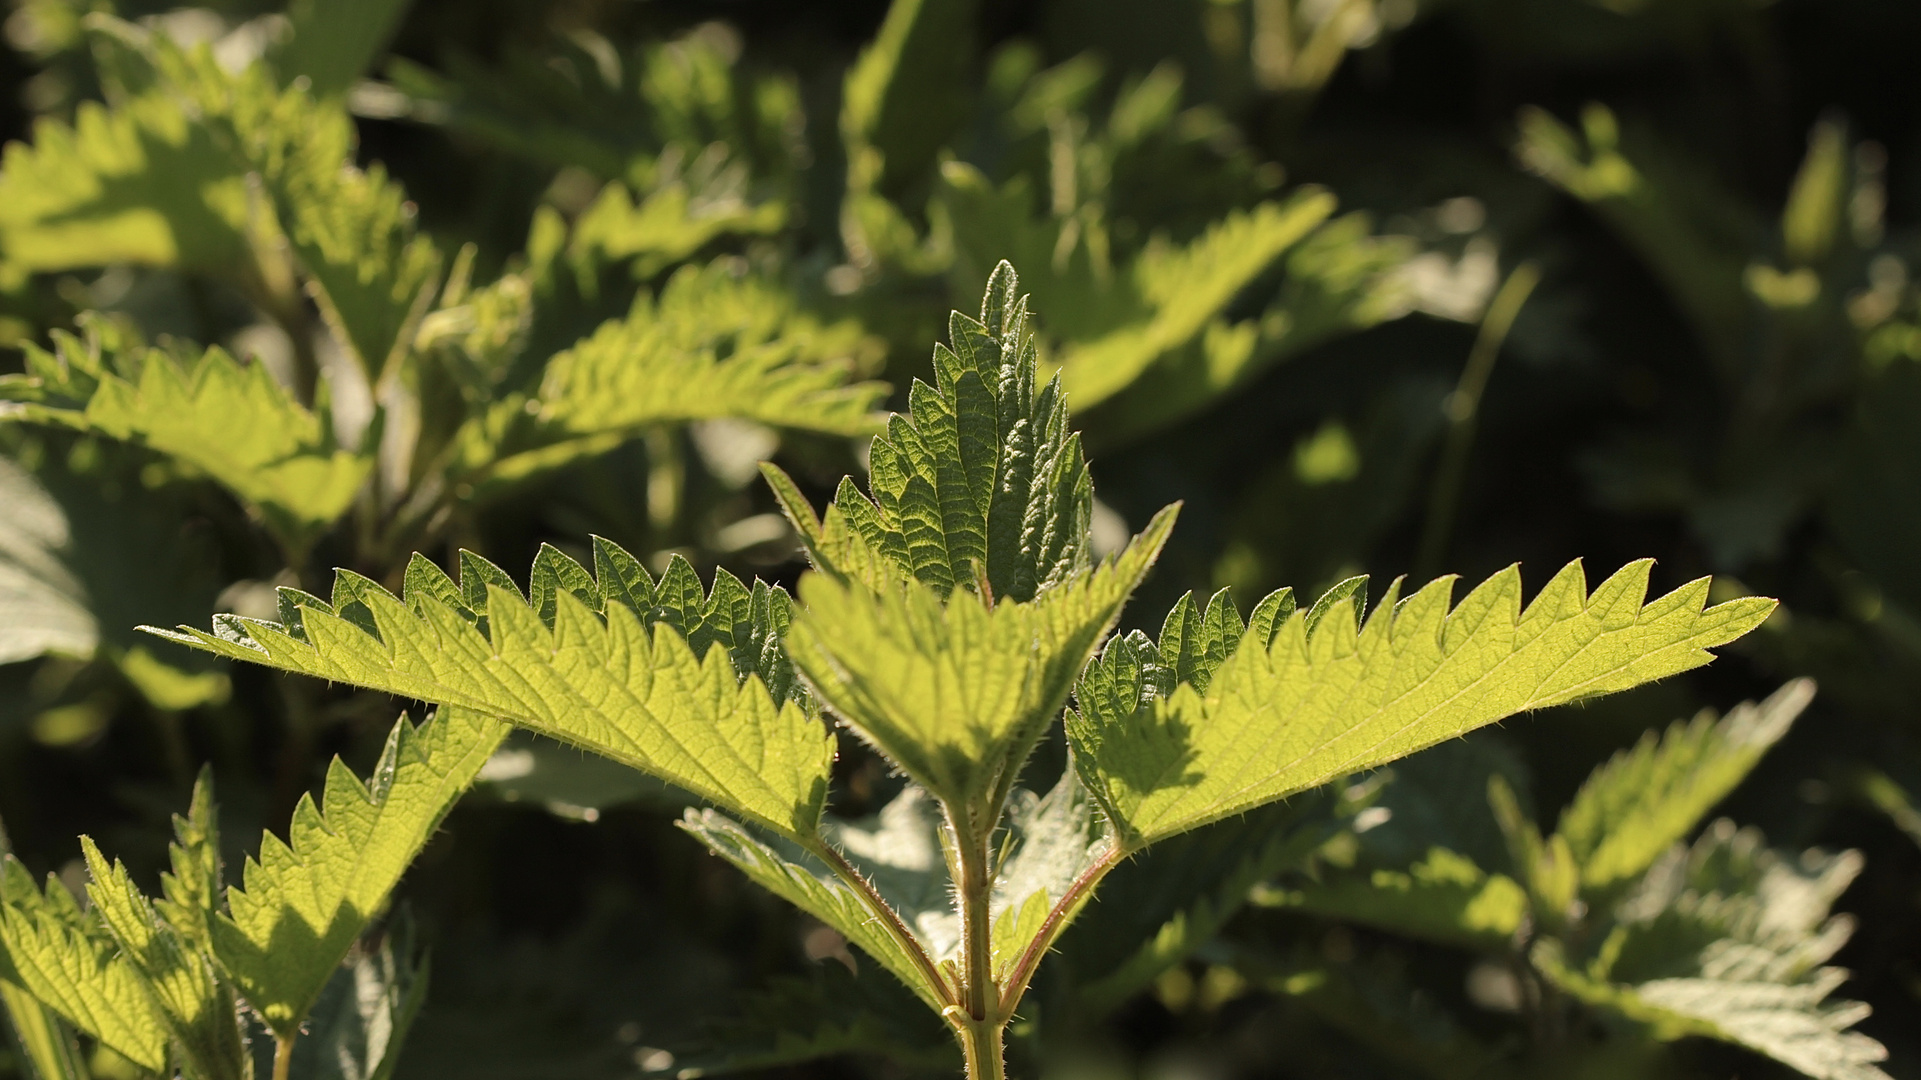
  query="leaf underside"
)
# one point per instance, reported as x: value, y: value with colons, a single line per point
x: 1727, y: 939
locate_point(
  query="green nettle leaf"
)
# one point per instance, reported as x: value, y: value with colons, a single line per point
x: 354, y: 233
x: 1163, y: 907
x: 1312, y: 705
x: 1643, y: 800
x: 87, y: 552
x: 956, y: 695
x: 1545, y: 865
x: 351, y: 229
x: 193, y: 891
x: 1421, y: 804
x: 1443, y: 897
x: 44, y: 602
x: 197, y: 1009
x: 139, y: 183
x: 1341, y: 276
x: 162, y: 179
x: 333, y: 43
x: 46, y: 1041
x: 618, y: 677
x: 907, y: 93
x: 980, y: 486
x: 357, y: 1027
x: 899, y: 851
x: 949, y: 613
x: 1184, y: 291
x: 225, y: 417
x: 170, y: 943
x: 1422, y: 853
x: 679, y: 113
x: 1143, y: 342
x: 715, y: 343
x: 1728, y: 939
x: 69, y: 962
x: 305, y: 901
x: 681, y: 214
x: 1791, y: 1024
x: 1051, y: 840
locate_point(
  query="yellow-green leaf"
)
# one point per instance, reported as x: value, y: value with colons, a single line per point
x: 304, y: 901
x: 609, y: 683
x: 222, y: 416
x: 1643, y: 800
x: 713, y: 344
x: 813, y: 888
x: 1313, y: 706
x: 197, y: 1009
x: 956, y: 693
x: 70, y: 963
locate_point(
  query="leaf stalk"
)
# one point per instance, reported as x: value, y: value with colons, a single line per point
x: 1079, y: 890
x: 982, y: 1023
x: 889, y: 918
x: 283, y: 1056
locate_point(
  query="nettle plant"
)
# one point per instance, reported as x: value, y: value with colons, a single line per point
x: 952, y: 612
x: 1614, y: 915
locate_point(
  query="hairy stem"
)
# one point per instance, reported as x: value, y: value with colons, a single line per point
x: 976, y: 932
x: 282, y: 1056
x: 975, y: 883
x: 981, y: 1045
x: 1030, y: 960
x: 980, y: 1022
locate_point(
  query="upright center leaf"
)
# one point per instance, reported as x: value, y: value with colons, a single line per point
x: 957, y: 605
x: 981, y: 485
x: 957, y: 693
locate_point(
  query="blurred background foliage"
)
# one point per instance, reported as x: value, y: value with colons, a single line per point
x: 1382, y: 286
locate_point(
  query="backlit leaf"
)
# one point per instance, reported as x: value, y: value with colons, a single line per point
x: 812, y: 887
x: 305, y: 900
x: 1312, y: 707
x: 70, y: 963
x: 225, y: 417
x: 623, y: 683
x: 1644, y: 799
x: 197, y: 1009
x: 957, y: 693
